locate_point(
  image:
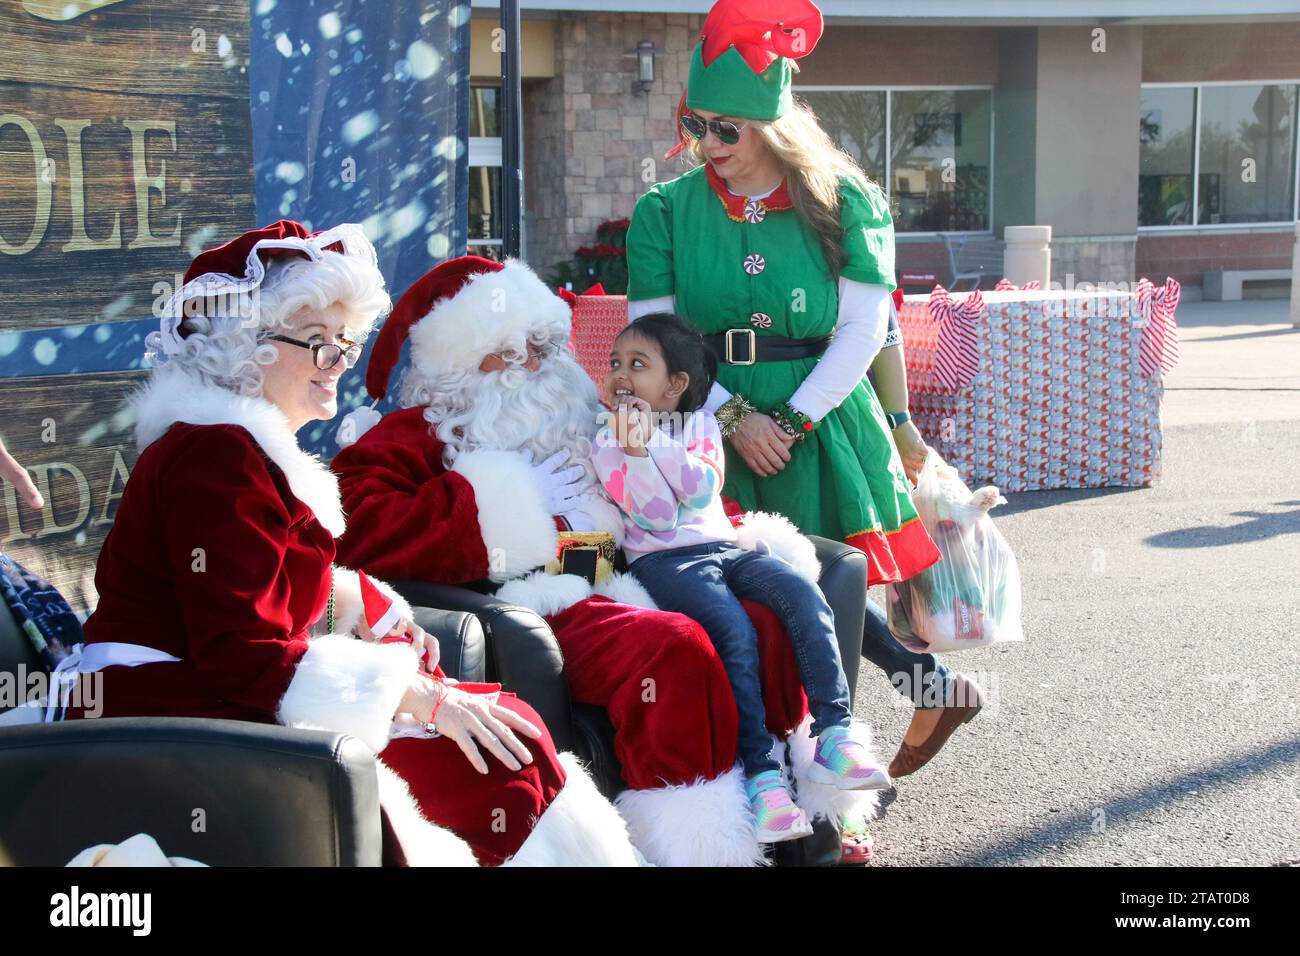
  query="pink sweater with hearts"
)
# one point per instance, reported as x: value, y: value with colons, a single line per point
x: 671, y: 498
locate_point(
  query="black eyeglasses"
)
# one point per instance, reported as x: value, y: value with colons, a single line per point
x: 326, y: 355
x: 728, y: 133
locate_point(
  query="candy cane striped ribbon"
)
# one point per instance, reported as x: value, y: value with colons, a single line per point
x: 1006, y: 285
x: 1158, y: 353
x: 957, y: 356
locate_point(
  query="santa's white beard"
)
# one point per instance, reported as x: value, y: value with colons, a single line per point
x: 545, y: 411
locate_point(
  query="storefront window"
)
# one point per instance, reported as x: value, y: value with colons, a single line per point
x: 1247, y: 171
x: 1166, y: 140
x: 855, y: 119
x: 1245, y: 166
x: 485, y: 111
x: 486, y: 227
x: 939, y: 160
x: 934, y: 153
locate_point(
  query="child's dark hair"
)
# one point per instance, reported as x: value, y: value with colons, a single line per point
x: 683, y: 350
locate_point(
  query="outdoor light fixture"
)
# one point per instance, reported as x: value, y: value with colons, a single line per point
x: 645, y: 53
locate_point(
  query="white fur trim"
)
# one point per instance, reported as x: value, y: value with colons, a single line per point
x: 348, y: 606
x: 518, y: 530
x: 820, y: 800
x: 136, y: 851
x: 349, y: 686
x: 785, y: 540
x: 706, y: 823
x: 579, y: 828
x: 544, y: 593
x: 173, y: 395
x: 423, y: 843
x: 626, y: 589
x: 491, y: 309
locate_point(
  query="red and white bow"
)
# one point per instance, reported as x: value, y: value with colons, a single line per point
x: 957, y: 357
x: 1159, y: 350
x: 1006, y: 285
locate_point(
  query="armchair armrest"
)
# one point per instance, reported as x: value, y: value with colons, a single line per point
x: 462, y: 642
x: 223, y: 792
x: 844, y: 582
x: 522, y: 652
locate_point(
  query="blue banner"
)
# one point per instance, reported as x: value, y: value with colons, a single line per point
x: 361, y: 114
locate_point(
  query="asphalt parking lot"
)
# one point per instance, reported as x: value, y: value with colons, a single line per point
x: 1152, y: 716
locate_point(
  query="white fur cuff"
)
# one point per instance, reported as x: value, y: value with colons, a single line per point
x: 547, y: 594
x: 820, y: 800
x: 625, y: 589
x: 706, y: 823
x: 518, y: 531
x: 784, y: 539
x: 349, y: 686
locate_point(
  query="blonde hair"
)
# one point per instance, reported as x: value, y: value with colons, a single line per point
x: 814, y: 169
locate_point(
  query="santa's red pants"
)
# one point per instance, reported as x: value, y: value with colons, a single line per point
x: 666, y: 689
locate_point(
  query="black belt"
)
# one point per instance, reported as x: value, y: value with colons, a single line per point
x: 744, y: 347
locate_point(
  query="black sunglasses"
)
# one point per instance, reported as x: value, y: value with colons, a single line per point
x: 325, y: 354
x: 728, y: 133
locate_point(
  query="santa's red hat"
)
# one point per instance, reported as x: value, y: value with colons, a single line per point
x: 462, y: 311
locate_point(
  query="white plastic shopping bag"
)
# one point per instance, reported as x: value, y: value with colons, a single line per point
x: 971, y: 598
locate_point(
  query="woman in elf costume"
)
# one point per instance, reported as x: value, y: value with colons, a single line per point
x: 779, y: 250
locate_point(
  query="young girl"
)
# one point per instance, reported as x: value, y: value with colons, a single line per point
x: 660, y: 457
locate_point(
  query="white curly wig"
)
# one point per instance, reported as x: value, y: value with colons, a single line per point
x: 225, y: 346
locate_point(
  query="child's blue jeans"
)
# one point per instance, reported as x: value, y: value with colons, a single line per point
x: 706, y: 582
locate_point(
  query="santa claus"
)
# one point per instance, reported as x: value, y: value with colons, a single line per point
x: 476, y: 476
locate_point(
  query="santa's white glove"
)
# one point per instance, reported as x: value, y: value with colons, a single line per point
x: 561, y: 488
x: 579, y: 520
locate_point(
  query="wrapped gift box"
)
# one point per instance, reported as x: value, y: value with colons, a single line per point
x: 1038, y: 390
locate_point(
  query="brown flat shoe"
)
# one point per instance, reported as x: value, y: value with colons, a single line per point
x: 910, y: 759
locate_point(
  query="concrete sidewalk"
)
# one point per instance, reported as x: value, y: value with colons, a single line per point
x: 1240, y: 362
x: 1153, y: 714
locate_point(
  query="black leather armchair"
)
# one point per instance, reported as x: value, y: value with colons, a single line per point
x: 243, y: 794
x: 222, y: 792
x: 523, y: 655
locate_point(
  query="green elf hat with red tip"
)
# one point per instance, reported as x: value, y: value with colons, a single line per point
x: 743, y: 65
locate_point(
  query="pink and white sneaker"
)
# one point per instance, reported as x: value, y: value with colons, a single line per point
x: 776, y: 816
x: 844, y: 763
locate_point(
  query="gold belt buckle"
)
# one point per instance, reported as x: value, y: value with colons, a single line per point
x: 753, y: 346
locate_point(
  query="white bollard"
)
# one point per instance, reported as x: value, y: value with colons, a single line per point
x: 1029, y: 254
x: 1295, y: 279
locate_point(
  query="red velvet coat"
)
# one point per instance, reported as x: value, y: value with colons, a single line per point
x: 212, y: 559
x: 409, y: 517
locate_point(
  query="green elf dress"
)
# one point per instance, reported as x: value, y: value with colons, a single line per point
x: 729, y: 262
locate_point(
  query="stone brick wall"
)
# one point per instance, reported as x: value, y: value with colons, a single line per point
x: 1189, y: 256
x: 589, y: 136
